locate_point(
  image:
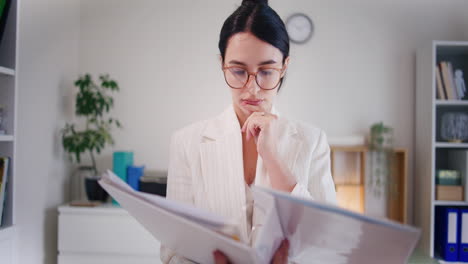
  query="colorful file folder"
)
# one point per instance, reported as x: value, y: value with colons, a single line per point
x: 134, y: 173
x: 447, y: 235
x: 463, y: 236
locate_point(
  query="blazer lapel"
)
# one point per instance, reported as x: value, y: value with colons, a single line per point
x: 222, y: 168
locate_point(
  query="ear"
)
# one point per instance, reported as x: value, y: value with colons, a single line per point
x: 285, y: 66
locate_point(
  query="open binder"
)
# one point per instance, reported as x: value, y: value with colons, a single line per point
x: 317, y: 232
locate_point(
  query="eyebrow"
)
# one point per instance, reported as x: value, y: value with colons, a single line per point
x: 261, y: 63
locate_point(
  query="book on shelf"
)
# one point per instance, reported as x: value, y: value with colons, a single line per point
x: 452, y: 80
x: 4, y: 162
x: 447, y: 80
x: 318, y: 231
x: 448, y: 177
x: 440, y: 86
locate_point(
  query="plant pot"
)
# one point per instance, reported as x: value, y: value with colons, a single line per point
x: 86, y: 186
x: 94, y: 191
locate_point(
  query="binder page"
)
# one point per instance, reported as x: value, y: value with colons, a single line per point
x: 323, y: 233
x: 187, y: 238
x: 197, y: 215
x: 266, y: 234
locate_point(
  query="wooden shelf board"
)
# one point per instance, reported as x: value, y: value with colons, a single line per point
x: 349, y: 148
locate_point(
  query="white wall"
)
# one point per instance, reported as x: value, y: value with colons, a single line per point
x: 358, y: 69
x: 48, y: 61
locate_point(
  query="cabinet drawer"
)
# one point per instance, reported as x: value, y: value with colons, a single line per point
x: 104, y: 233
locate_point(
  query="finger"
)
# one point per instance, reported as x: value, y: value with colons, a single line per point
x: 252, y: 129
x: 281, y: 254
x: 244, y: 127
x: 220, y: 258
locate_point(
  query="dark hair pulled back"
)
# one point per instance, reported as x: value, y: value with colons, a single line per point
x: 258, y: 18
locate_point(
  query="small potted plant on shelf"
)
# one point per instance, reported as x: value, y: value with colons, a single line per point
x: 93, y: 102
x: 379, y: 182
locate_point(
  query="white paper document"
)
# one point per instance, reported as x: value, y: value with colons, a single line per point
x: 317, y: 232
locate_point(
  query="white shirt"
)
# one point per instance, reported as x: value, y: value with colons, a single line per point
x: 206, y: 168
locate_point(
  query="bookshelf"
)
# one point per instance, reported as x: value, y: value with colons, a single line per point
x: 431, y: 151
x: 8, y: 99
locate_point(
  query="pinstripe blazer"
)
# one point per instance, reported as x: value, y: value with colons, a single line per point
x: 206, y: 167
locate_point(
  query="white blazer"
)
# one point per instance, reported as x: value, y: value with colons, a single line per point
x: 206, y: 167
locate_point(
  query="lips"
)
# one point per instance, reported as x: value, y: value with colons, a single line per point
x: 252, y: 101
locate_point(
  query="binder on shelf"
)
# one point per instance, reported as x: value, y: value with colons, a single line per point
x: 463, y: 235
x: 4, y: 161
x: 447, y: 235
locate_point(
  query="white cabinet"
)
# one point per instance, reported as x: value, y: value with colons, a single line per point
x: 101, y: 235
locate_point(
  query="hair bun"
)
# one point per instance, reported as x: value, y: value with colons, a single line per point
x: 256, y: 2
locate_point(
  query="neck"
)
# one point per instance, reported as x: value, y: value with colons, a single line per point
x: 241, y: 117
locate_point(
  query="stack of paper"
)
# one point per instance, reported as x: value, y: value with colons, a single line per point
x: 318, y: 233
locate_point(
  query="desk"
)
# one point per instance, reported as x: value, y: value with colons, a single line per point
x: 101, y: 235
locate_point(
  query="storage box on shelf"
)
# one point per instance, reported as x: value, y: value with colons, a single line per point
x: 437, y: 145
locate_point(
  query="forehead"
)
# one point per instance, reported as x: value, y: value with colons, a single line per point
x: 247, y: 48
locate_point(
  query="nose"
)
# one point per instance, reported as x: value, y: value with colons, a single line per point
x: 252, y: 85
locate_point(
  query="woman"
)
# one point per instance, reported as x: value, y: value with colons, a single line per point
x: 213, y: 163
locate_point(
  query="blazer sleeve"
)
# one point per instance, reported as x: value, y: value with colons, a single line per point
x: 179, y: 188
x: 320, y: 185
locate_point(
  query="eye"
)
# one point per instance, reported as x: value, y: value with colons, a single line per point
x: 238, y: 71
x: 266, y: 72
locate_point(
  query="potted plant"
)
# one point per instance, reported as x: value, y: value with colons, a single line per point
x: 379, y: 182
x: 93, y: 103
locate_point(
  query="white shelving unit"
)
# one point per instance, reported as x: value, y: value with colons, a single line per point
x: 8, y: 99
x: 431, y: 150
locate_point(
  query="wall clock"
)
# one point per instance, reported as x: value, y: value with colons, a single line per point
x: 300, y: 28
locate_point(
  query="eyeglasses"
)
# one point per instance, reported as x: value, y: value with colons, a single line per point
x: 266, y: 78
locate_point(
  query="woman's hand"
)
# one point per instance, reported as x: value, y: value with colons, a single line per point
x: 280, y: 256
x: 261, y: 127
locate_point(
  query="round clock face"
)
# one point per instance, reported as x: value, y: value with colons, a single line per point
x: 300, y: 28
